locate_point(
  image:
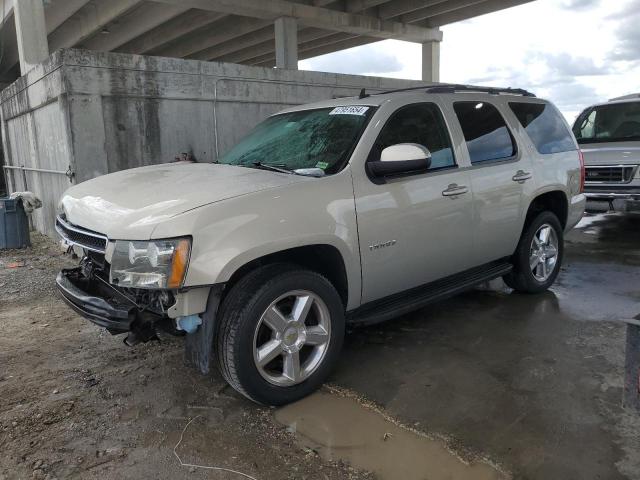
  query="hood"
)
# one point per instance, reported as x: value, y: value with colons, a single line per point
x: 130, y: 203
x: 615, y: 153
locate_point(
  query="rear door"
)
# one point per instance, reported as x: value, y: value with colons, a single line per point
x: 500, y: 173
x: 413, y: 229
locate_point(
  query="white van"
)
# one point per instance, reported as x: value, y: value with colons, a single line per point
x: 609, y: 135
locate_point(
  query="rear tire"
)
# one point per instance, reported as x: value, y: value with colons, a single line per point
x: 281, y: 329
x: 538, y: 257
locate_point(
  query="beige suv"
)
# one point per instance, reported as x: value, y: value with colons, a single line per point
x: 353, y: 210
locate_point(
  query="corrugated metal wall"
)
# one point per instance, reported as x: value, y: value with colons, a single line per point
x: 38, y: 140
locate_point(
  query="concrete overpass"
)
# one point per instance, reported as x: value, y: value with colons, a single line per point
x: 103, y: 85
x: 268, y: 33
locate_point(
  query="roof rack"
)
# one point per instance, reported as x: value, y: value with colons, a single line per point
x: 454, y: 88
x: 445, y: 88
x: 626, y: 97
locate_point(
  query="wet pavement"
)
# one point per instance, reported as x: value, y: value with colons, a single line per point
x: 531, y: 382
x: 486, y: 385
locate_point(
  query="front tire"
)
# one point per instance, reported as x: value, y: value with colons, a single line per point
x: 537, y: 260
x: 281, y: 329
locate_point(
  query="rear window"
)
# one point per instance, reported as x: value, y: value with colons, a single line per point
x: 545, y: 127
x: 485, y: 131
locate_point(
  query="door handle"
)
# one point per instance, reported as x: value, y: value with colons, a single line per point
x: 521, y: 176
x: 454, y: 189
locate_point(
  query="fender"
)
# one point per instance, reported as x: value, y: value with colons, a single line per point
x: 229, y: 234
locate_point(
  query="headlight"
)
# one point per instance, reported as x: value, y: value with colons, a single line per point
x: 154, y: 264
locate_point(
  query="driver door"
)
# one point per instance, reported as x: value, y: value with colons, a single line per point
x: 418, y: 228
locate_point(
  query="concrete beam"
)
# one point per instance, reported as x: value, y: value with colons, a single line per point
x: 313, y: 45
x: 134, y: 23
x: 30, y: 33
x: 326, y: 41
x: 235, y: 50
x: 344, y: 45
x: 402, y: 7
x: 258, y: 44
x: 311, y: 16
x: 175, y: 28
x: 9, y: 43
x: 431, y: 62
x: 286, y: 31
x: 439, y: 9
x: 57, y: 11
x: 349, y: 5
x: 88, y: 21
x: 488, y: 6
x: 361, y: 5
x: 315, y: 52
x: 214, y: 34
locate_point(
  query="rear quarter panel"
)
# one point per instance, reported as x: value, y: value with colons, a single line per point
x: 561, y: 171
x: 551, y: 172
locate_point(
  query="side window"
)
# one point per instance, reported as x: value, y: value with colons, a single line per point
x: 485, y: 131
x: 545, y: 127
x: 420, y: 123
x: 585, y: 125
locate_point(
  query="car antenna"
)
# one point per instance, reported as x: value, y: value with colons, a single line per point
x: 363, y: 94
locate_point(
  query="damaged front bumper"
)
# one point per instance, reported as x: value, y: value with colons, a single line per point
x: 108, y: 307
x: 74, y: 287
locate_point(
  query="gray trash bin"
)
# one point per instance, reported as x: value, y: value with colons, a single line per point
x: 14, y: 224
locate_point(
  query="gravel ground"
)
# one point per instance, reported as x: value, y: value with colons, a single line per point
x: 530, y: 382
x: 76, y: 403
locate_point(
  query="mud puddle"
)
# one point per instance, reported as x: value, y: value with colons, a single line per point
x: 341, y: 428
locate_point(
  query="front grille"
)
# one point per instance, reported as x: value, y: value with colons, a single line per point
x: 79, y: 236
x: 609, y: 174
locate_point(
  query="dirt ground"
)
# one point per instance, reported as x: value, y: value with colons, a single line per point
x: 76, y: 403
x: 529, y: 385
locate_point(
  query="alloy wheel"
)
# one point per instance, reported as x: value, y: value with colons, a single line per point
x: 543, y: 255
x: 292, y: 338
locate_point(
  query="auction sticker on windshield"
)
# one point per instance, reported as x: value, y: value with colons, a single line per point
x: 349, y: 110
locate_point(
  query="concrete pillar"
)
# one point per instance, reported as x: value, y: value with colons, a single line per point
x: 431, y: 61
x: 31, y: 33
x: 286, y: 43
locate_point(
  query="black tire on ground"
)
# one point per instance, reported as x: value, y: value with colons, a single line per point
x: 238, y: 319
x: 522, y: 278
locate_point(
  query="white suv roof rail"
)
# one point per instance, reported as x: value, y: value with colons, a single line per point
x: 626, y: 97
x: 455, y: 88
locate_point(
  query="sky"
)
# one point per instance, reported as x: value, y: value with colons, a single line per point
x: 572, y: 52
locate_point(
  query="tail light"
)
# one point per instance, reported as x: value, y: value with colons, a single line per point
x: 582, y: 174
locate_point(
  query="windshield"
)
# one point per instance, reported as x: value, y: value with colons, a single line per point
x: 618, y: 122
x: 322, y: 138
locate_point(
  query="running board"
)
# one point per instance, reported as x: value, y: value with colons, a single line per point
x: 416, y: 298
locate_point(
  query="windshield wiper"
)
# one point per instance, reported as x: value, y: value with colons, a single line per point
x: 274, y: 168
x: 305, y: 172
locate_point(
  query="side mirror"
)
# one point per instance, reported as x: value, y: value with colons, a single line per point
x: 401, y: 159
